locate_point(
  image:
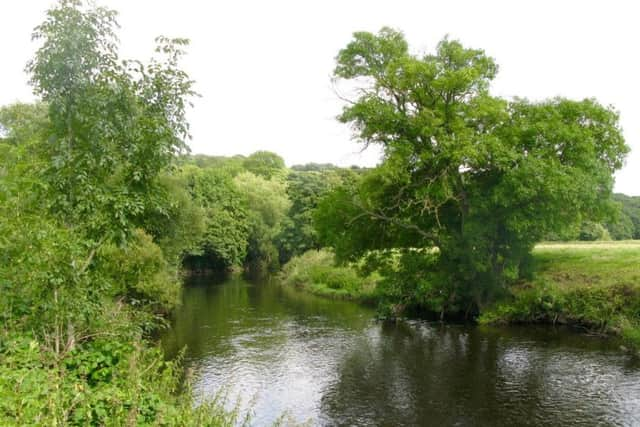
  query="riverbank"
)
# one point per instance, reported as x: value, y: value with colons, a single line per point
x: 592, y: 285
x: 291, y: 358
x: 595, y: 285
x: 315, y: 272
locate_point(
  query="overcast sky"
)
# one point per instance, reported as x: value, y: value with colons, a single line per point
x: 263, y: 67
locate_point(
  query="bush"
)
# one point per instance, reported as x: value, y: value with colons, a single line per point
x: 102, y: 382
x: 43, y: 280
x: 591, y: 231
x: 316, y: 271
x: 139, y: 273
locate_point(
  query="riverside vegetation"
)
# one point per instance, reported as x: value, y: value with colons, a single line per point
x: 591, y: 285
x: 102, y: 209
x: 468, y: 184
x: 98, y: 215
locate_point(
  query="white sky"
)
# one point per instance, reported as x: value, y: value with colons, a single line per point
x: 263, y: 67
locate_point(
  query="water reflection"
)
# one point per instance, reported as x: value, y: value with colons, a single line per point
x: 329, y: 362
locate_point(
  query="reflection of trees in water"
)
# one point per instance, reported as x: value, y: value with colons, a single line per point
x: 404, y: 374
x: 416, y: 374
x: 265, y: 339
x: 328, y: 359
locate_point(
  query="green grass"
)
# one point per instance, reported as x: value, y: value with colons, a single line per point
x: 592, y: 284
x: 316, y: 272
x: 595, y: 285
x: 595, y: 264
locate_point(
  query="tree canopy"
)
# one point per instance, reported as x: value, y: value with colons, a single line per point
x: 478, y: 177
x: 115, y: 124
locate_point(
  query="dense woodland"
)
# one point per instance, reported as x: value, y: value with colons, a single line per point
x: 103, y: 208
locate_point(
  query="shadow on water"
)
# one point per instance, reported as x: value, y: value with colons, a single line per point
x: 331, y: 363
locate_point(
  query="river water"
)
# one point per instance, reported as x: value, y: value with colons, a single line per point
x: 324, y: 362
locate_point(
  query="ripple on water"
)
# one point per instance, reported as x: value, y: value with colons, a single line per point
x: 328, y: 361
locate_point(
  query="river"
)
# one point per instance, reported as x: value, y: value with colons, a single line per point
x: 329, y: 362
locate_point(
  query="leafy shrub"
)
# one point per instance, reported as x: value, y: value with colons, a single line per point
x: 591, y: 231
x: 614, y: 308
x: 103, y: 382
x: 140, y: 273
x: 43, y: 276
x: 316, y: 271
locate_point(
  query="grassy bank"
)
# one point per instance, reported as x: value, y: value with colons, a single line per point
x: 315, y: 272
x: 595, y: 285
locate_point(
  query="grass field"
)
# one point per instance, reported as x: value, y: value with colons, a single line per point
x: 615, y: 244
x: 571, y: 264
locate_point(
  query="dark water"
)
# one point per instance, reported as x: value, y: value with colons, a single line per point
x: 329, y: 363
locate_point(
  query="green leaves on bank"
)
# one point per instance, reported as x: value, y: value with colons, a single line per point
x: 94, y: 226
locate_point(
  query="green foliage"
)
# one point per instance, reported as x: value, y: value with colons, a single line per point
x: 265, y: 164
x: 256, y: 212
x: 81, y: 283
x: 304, y: 189
x: 226, y: 217
x: 103, y: 382
x: 476, y: 176
x: 347, y: 218
x: 267, y: 206
x: 23, y: 123
x: 96, y: 217
x: 620, y: 223
x: 594, y: 285
x: 139, y: 273
x: 409, y: 281
x: 178, y: 223
x: 630, y: 208
x: 43, y: 273
x: 316, y: 272
x: 590, y: 231
x: 230, y: 165
x: 115, y: 125
x: 622, y: 228
x: 605, y: 309
x: 314, y: 167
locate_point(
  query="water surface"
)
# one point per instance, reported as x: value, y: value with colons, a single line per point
x: 330, y: 363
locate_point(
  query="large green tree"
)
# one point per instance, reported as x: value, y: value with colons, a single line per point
x: 306, y: 185
x: 629, y: 216
x: 479, y: 177
x: 83, y: 170
x: 115, y: 125
x: 80, y: 282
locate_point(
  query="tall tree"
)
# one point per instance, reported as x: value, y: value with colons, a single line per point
x: 227, y: 225
x: 267, y: 206
x: 477, y: 176
x: 115, y: 125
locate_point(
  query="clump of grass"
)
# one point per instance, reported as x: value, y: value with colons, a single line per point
x: 316, y: 272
